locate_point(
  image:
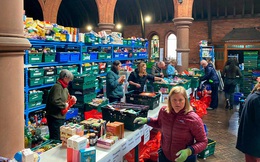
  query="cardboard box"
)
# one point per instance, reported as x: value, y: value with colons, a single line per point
x: 88, y: 155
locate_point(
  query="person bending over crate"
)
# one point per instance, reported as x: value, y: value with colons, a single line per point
x: 58, y: 103
x: 138, y: 78
x: 183, y: 133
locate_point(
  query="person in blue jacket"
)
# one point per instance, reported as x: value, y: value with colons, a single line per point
x: 212, y: 78
x: 248, y: 137
x: 114, y: 89
x: 170, y: 70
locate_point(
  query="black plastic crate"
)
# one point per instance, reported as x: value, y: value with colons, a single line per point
x: 117, y: 112
x: 135, y: 98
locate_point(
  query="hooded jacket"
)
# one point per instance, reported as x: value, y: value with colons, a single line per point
x: 248, y: 137
x: 179, y: 131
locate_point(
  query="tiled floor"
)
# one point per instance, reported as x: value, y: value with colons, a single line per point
x: 222, y: 127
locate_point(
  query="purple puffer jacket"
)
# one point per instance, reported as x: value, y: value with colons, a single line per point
x: 180, y: 131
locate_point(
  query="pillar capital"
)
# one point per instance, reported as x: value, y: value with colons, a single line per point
x: 182, y: 21
x: 13, y: 44
x: 108, y: 27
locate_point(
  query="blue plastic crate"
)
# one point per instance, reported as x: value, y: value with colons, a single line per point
x: 142, y: 54
x: 93, y: 55
x: 121, y: 55
x: 73, y: 112
x: 62, y: 56
x: 74, y: 57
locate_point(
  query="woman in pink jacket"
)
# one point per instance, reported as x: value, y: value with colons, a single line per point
x: 183, y: 134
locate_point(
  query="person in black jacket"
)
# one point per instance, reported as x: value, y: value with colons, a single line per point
x: 248, y: 137
x: 230, y: 74
x: 138, y: 78
x: 212, y: 78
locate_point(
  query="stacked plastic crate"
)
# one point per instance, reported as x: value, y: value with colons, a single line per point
x: 250, y: 64
x: 83, y: 87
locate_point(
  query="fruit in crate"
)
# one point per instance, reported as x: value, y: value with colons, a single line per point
x: 147, y: 94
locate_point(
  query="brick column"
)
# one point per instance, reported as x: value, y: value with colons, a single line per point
x: 50, y: 9
x: 183, y: 32
x: 12, y: 46
x: 106, y: 10
x: 182, y: 21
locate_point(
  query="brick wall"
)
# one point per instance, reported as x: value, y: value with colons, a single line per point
x: 198, y: 31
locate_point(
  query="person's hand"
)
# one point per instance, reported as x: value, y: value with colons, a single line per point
x: 66, y: 105
x: 183, y: 155
x: 138, y: 85
x: 140, y: 120
x: 162, y: 80
x: 121, y: 79
x: 161, y: 74
x: 74, y: 98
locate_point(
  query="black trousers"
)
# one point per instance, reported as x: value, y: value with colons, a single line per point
x: 54, y: 125
x: 214, y: 96
x: 162, y: 157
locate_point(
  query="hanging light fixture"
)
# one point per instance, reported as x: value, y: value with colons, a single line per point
x: 180, y: 1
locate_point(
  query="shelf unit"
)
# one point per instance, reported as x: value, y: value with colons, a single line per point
x: 207, y: 52
x: 78, y: 46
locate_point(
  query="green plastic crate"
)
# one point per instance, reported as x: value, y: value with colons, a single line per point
x: 34, y: 104
x: 73, y: 69
x: 209, y: 150
x: 36, y: 96
x: 87, y: 70
x: 102, y: 55
x: 35, y: 58
x: 86, y: 98
x: 95, y: 72
x: 125, y: 41
x: 195, y: 82
x: 49, y: 57
x: 35, y: 73
x: 85, y: 56
x: 84, y: 78
x: 35, y: 81
x: 109, y: 56
x: 165, y: 88
x: 94, y: 67
x: 83, y: 86
x: 49, y: 79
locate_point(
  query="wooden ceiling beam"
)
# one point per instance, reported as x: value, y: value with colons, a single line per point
x: 252, y: 7
x: 217, y: 8
x: 243, y: 8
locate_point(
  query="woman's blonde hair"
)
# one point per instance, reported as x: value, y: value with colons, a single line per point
x: 140, y: 69
x: 179, y: 90
x: 256, y: 87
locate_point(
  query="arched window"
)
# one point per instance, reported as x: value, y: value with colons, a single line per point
x: 155, y: 47
x: 171, y: 46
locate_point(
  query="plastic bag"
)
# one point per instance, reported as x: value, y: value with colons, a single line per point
x: 93, y: 114
x: 200, y: 107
